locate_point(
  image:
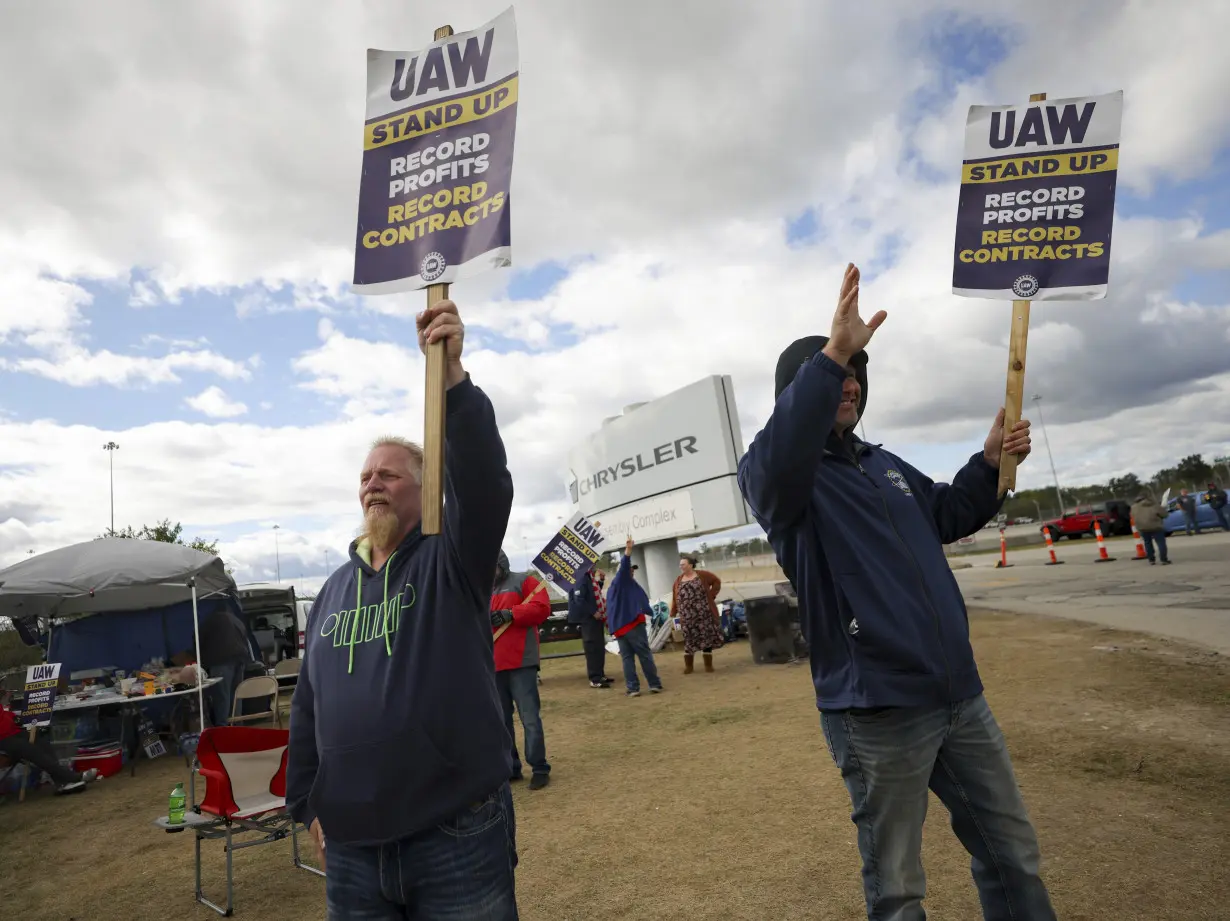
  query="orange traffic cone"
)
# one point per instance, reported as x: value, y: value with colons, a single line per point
x: 1103, y: 556
x: 1050, y: 548
x: 1003, y: 551
x: 1140, y: 544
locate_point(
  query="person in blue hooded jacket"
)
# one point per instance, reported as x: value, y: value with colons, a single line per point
x: 861, y: 534
x: 399, y: 757
x: 627, y: 609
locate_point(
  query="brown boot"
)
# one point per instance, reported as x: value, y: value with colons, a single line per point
x: 708, y: 661
x: 687, y: 664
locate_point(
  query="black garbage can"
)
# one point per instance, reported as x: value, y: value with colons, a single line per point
x: 771, y: 629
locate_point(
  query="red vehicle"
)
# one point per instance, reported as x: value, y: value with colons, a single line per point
x: 1115, y: 516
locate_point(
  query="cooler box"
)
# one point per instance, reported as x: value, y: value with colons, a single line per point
x: 107, y: 761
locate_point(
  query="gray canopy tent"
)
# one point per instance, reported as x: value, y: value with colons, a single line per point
x: 113, y: 574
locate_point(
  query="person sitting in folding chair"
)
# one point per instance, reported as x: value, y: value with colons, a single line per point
x: 15, y: 745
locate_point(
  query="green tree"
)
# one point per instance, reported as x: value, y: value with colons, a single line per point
x: 1193, y: 469
x: 167, y: 533
x: 1127, y: 486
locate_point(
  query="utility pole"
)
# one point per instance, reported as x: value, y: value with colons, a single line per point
x: 111, y: 447
x: 277, y: 552
x: 1037, y: 398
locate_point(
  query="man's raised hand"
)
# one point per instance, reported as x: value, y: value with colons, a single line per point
x: 441, y: 323
x: 849, y: 333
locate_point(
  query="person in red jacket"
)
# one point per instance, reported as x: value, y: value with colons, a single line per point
x: 519, y: 605
x: 15, y: 745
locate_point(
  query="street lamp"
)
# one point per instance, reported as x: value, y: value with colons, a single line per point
x: 326, y: 564
x: 1037, y: 398
x: 111, y: 447
x: 277, y: 552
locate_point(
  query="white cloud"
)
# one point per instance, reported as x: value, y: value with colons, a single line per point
x: 73, y: 365
x: 213, y: 402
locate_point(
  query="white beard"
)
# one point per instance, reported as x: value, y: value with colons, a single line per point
x: 380, y: 525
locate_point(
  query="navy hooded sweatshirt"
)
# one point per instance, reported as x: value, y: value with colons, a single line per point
x: 395, y: 722
x: 627, y: 604
x: 860, y: 535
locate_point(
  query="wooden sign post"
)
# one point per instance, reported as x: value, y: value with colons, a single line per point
x: 433, y: 407
x: 1015, y: 394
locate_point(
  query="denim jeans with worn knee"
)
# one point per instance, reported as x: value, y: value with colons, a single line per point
x: 889, y: 758
x: 634, y: 645
x: 461, y: 870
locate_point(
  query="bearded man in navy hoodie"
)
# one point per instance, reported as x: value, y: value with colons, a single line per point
x: 860, y: 535
x: 399, y: 760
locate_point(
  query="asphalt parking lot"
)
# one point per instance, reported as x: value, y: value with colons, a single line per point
x: 1188, y: 600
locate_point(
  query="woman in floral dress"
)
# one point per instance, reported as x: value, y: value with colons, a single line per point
x: 693, y: 602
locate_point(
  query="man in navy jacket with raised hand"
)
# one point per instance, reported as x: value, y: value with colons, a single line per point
x: 399, y: 759
x: 860, y: 535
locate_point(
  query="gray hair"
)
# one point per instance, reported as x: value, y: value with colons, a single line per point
x: 415, y: 449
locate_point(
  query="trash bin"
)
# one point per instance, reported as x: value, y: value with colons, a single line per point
x: 771, y: 629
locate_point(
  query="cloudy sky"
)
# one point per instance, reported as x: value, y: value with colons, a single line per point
x: 179, y: 185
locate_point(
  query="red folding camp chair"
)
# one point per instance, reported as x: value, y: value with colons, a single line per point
x: 245, y: 792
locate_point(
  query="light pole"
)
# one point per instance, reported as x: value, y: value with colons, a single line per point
x: 277, y: 551
x: 111, y: 447
x: 1037, y: 398
x: 326, y: 564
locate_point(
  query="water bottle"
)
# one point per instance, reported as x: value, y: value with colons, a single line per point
x: 175, y: 812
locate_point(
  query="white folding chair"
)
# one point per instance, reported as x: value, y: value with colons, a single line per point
x: 251, y: 688
x: 286, y: 668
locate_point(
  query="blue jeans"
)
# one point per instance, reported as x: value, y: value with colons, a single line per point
x: 461, y: 870
x: 223, y: 696
x: 1191, y: 522
x: 520, y: 686
x: 1221, y: 518
x: 1151, y: 537
x: 888, y: 760
x: 634, y: 645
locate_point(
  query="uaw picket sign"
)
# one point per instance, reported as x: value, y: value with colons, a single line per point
x: 42, y: 681
x: 570, y: 554
x: 1038, y: 199
x: 1035, y: 214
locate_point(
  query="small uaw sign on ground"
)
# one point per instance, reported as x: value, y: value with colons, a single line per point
x: 570, y: 554
x: 1035, y: 215
x: 41, y: 684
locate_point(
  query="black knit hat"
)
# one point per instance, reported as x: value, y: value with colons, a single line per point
x: 800, y: 350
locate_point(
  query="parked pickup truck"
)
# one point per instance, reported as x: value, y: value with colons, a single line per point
x: 1114, y: 515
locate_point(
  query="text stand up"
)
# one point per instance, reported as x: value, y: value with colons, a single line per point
x: 433, y: 407
x: 1015, y: 394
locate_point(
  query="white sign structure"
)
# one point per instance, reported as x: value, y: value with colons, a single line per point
x: 664, y: 469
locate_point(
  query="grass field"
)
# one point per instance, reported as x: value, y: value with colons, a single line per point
x: 718, y: 800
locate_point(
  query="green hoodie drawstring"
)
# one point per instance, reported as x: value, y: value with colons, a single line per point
x: 358, y: 606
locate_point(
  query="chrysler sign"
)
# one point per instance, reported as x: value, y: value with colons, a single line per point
x: 630, y: 466
x: 688, y: 440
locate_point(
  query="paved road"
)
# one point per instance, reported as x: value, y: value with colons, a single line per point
x: 1188, y: 600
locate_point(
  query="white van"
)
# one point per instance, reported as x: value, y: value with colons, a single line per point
x: 276, y: 618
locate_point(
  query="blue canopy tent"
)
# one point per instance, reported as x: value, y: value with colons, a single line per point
x: 129, y: 639
x: 120, y: 581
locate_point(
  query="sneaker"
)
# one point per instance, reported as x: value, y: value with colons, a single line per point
x: 600, y: 685
x: 658, y: 690
x: 78, y: 785
x: 633, y: 693
x: 1165, y: 562
x: 538, y: 781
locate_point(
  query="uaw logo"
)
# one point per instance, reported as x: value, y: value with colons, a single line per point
x: 432, y: 266
x: 1025, y: 286
x: 898, y: 479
